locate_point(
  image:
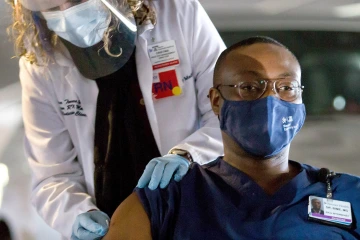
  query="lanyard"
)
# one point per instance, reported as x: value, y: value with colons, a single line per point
x: 325, y: 175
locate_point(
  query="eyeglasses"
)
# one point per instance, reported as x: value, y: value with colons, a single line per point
x: 286, y: 89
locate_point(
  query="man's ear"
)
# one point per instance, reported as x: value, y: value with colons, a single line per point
x: 215, y: 100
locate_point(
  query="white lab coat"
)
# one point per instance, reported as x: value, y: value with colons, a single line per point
x: 60, y: 147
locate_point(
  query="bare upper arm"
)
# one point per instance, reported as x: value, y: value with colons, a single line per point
x: 129, y: 221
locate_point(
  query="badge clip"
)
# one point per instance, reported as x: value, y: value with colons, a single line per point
x: 325, y: 176
x: 326, y: 210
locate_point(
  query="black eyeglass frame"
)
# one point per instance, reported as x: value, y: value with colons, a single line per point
x: 266, y: 85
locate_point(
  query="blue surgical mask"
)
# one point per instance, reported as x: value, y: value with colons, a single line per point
x: 82, y: 25
x: 262, y: 127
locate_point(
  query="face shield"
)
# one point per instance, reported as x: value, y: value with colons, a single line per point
x: 99, y: 34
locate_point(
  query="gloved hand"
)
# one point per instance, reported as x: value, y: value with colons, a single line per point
x: 90, y: 225
x: 161, y: 169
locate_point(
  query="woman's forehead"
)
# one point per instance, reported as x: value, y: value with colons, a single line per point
x: 41, y: 5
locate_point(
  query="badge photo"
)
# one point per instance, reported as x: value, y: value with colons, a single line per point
x: 329, y: 211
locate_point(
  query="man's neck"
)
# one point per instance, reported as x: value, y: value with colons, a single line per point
x: 270, y: 174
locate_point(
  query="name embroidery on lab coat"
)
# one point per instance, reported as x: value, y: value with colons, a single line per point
x: 187, y: 77
x: 71, y: 107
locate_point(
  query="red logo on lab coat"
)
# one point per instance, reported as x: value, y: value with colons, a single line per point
x: 168, y: 85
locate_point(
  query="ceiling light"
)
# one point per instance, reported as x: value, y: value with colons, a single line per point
x: 348, y: 11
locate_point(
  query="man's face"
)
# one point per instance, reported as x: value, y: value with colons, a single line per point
x: 258, y: 61
x: 255, y: 64
x: 316, y: 204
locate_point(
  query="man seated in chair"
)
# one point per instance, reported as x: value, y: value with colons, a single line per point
x: 254, y: 191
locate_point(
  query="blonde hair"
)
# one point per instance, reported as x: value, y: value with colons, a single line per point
x: 34, y: 41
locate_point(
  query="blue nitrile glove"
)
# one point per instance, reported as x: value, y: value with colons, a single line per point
x: 161, y: 169
x: 90, y: 225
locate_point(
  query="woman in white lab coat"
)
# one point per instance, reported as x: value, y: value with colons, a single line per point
x: 89, y: 135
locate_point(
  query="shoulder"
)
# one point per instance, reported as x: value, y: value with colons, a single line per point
x: 311, y: 171
x: 128, y: 219
x: 54, y: 70
x: 32, y: 75
x: 346, y: 181
x: 349, y: 177
x: 163, y: 205
x: 307, y: 168
x: 342, y: 181
x: 173, y: 187
x: 30, y: 67
x: 60, y: 57
x: 346, y: 187
x: 170, y: 196
x: 196, y: 173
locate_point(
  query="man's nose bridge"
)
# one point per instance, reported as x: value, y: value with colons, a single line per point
x: 270, y: 89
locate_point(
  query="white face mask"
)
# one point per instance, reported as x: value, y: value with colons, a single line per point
x: 83, y: 25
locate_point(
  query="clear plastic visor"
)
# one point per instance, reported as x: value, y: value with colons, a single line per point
x: 119, y: 8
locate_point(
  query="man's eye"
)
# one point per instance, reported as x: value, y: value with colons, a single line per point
x: 286, y: 88
x: 249, y: 87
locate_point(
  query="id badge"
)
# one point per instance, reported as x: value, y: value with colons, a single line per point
x: 163, y: 55
x: 164, y: 59
x: 330, y: 212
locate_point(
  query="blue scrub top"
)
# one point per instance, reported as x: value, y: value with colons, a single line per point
x: 217, y: 201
